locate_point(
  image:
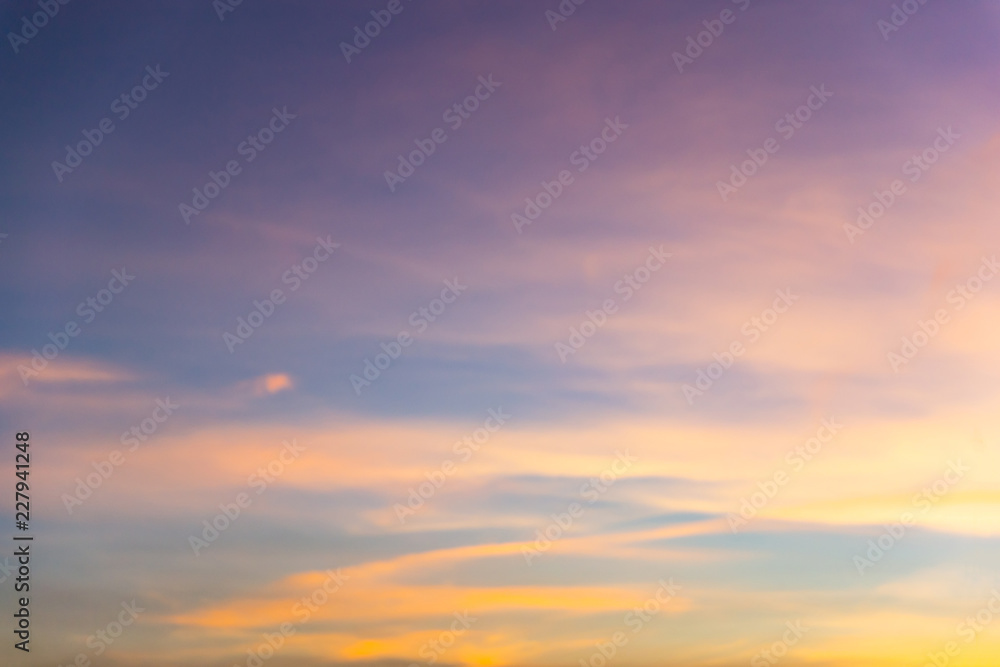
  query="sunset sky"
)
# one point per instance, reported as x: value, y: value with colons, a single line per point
x: 528, y: 334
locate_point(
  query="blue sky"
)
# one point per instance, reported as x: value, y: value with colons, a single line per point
x: 321, y: 180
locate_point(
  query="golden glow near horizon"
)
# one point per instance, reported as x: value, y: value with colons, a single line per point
x: 575, y: 334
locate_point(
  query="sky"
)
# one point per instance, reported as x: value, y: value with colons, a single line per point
x: 534, y: 334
